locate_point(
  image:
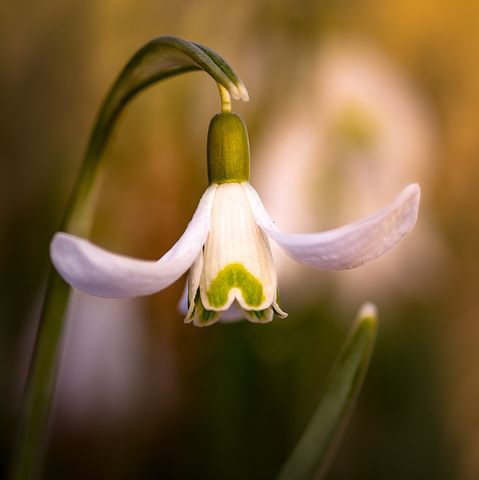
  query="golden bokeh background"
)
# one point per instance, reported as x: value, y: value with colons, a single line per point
x: 350, y: 101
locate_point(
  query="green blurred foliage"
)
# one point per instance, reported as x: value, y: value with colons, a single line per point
x: 241, y: 393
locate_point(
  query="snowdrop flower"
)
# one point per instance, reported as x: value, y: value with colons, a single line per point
x: 226, y: 244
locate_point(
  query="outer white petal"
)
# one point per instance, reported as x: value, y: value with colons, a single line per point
x: 96, y: 271
x: 348, y: 246
x: 183, y: 302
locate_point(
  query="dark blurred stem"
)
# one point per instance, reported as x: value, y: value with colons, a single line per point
x: 41, y: 381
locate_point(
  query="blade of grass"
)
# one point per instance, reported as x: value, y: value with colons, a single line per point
x: 313, y: 452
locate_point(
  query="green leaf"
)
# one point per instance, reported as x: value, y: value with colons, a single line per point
x: 311, y: 456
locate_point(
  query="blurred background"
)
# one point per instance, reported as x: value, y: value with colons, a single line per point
x: 350, y: 101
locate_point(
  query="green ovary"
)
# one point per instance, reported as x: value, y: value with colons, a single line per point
x: 235, y: 275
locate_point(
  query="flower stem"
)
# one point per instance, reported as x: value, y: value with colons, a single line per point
x: 37, y: 397
x: 159, y: 59
x: 225, y: 99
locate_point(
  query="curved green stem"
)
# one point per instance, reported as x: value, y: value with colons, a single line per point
x: 161, y: 58
x: 31, y: 443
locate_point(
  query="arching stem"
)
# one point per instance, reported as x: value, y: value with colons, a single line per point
x: 225, y: 98
x: 161, y: 58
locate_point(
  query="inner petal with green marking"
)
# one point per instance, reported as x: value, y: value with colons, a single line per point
x: 238, y: 265
x: 235, y: 276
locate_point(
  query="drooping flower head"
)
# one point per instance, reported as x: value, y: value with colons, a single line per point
x: 226, y: 244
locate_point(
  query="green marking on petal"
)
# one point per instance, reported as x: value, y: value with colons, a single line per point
x: 235, y: 275
x: 203, y: 316
x: 206, y: 316
x: 259, y: 314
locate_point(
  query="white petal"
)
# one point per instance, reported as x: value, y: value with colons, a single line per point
x: 348, y: 246
x: 279, y: 311
x: 183, y: 302
x: 96, y: 271
x: 236, y: 242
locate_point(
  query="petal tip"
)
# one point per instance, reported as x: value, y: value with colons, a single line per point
x: 413, y: 190
x: 57, y: 240
x: 410, y: 197
x: 60, y: 245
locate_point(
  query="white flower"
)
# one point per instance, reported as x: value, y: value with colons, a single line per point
x: 226, y: 244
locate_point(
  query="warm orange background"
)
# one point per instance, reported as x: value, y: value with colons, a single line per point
x: 350, y: 99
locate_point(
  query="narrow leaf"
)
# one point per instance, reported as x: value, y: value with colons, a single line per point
x: 312, y: 454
